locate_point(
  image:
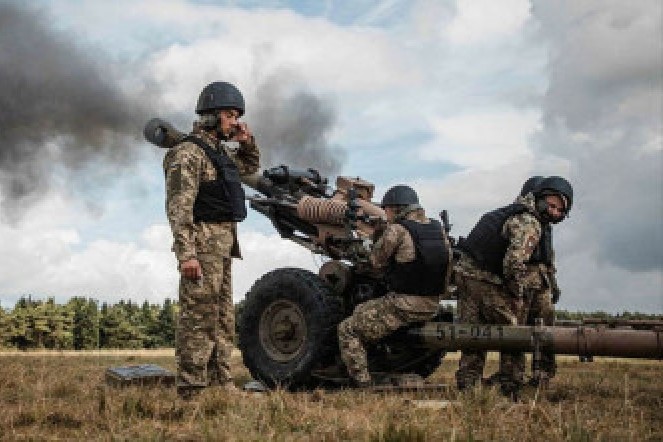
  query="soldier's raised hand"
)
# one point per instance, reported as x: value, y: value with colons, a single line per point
x: 242, y: 133
x: 191, y: 269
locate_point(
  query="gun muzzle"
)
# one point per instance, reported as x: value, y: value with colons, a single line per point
x: 162, y: 134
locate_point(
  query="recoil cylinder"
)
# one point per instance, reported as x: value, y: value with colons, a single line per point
x: 321, y: 210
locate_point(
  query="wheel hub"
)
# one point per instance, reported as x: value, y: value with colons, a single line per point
x: 283, y: 330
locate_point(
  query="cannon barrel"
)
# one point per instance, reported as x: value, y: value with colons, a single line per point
x: 162, y: 134
x: 581, y: 340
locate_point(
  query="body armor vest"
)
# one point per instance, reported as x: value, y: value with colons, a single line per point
x: 221, y: 200
x: 426, y: 275
x: 486, y: 245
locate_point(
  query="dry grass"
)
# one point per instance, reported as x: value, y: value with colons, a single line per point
x: 52, y: 398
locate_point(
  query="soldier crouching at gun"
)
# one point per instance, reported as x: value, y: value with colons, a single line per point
x: 494, y: 273
x: 415, y: 253
x: 204, y: 201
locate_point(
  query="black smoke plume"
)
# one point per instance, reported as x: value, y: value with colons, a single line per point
x: 61, y: 105
x: 292, y: 125
x: 66, y: 111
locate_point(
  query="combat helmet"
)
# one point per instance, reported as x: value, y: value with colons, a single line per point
x: 553, y: 185
x: 220, y: 95
x: 400, y: 195
x: 531, y: 184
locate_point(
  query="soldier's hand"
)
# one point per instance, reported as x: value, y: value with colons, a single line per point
x: 556, y: 292
x: 191, y: 269
x: 554, y: 288
x: 242, y: 133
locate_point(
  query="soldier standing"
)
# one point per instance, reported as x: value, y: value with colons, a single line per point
x: 414, y: 253
x: 204, y: 201
x: 494, y: 272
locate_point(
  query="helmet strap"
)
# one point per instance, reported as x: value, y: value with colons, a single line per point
x: 209, y: 121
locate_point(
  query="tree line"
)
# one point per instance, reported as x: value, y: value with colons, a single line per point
x: 84, y: 324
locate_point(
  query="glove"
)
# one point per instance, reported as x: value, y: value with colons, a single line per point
x: 554, y: 288
x: 555, y: 294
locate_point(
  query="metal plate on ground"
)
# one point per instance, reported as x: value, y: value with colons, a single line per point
x: 145, y: 374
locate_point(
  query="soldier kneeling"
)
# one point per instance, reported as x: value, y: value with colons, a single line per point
x: 414, y: 253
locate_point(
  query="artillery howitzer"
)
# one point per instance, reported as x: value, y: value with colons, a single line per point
x: 287, y: 328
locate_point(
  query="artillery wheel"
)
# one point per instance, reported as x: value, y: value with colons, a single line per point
x: 288, y: 326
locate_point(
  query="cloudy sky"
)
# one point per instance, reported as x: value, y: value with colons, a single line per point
x: 462, y: 99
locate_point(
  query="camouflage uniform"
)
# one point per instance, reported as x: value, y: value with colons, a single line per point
x: 377, y: 318
x: 205, y: 330
x: 486, y: 298
x: 538, y: 304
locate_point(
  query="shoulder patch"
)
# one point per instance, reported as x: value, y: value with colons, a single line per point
x: 174, y: 177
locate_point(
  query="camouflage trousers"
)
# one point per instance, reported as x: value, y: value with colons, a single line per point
x: 539, y: 305
x: 206, y: 326
x: 481, y: 302
x: 373, y: 320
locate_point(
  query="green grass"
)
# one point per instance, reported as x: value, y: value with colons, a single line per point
x: 50, y: 397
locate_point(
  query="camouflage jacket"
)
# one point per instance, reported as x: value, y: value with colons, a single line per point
x: 523, y: 232
x: 397, y: 242
x: 186, y: 166
x: 536, y: 276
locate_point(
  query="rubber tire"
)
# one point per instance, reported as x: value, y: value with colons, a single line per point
x: 322, y: 312
x: 410, y: 351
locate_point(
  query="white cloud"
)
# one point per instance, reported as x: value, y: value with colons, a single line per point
x: 331, y: 58
x: 479, y: 21
x: 482, y: 140
x: 589, y: 285
x: 45, y: 257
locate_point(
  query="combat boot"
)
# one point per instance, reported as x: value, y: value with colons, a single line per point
x: 188, y: 393
x: 493, y: 379
x: 511, y: 391
x: 541, y: 381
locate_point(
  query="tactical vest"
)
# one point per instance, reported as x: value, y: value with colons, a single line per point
x: 426, y: 275
x: 220, y: 200
x: 487, y: 246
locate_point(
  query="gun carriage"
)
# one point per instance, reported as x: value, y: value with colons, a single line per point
x: 287, y: 326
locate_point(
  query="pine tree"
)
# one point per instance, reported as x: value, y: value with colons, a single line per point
x: 149, y: 320
x: 4, y: 328
x: 119, y: 329
x: 85, y: 323
x: 166, y: 323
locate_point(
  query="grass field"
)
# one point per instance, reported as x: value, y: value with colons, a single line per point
x: 61, y: 396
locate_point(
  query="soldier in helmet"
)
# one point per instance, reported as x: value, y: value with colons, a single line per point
x: 414, y: 254
x: 494, y: 274
x: 540, y: 297
x: 204, y: 201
